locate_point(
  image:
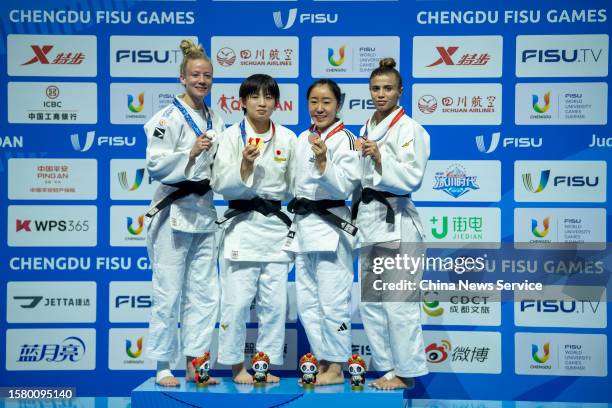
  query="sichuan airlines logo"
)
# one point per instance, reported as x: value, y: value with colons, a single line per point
x: 41, y: 56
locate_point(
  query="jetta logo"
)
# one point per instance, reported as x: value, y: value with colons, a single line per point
x: 278, y: 21
x: 32, y: 301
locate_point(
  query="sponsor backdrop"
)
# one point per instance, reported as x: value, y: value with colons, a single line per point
x: 514, y: 96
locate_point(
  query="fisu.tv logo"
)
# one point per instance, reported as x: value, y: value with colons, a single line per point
x: 82, y: 145
x: 304, y: 18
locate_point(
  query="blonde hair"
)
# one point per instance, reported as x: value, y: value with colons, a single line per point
x: 387, y: 66
x: 191, y: 51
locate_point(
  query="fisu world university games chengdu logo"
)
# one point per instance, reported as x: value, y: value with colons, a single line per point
x: 536, y: 357
x: 128, y: 348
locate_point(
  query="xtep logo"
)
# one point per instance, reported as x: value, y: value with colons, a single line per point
x: 125, y: 184
x: 528, y: 182
x: 330, y: 56
x: 40, y: 55
x: 130, y: 225
x: 536, y: 103
x: 534, y: 227
x: 545, y: 357
x: 438, y: 353
x: 33, y: 301
x: 128, y: 348
x: 445, y: 56
x: 432, y: 308
x: 22, y: 225
x: 130, y: 101
x: 76, y: 143
x: 278, y: 21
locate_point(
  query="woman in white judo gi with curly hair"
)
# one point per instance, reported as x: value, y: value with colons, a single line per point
x: 322, y: 236
x: 181, y: 141
x: 254, y: 172
x: 395, y: 150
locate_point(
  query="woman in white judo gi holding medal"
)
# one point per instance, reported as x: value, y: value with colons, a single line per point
x: 181, y: 141
x: 322, y: 236
x: 395, y: 151
x: 254, y: 173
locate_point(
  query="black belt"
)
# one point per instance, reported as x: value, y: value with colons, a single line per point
x: 184, y: 188
x: 368, y: 195
x: 262, y: 206
x: 303, y: 206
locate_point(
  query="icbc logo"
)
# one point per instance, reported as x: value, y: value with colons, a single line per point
x: 52, y: 92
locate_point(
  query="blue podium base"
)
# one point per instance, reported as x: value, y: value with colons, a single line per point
x: 286, y: 393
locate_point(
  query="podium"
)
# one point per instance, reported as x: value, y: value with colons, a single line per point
x: 286, y: 393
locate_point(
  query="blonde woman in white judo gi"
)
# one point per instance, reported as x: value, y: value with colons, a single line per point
x: 322, y: 236
x: 395, y: 151
x: 181, y: 141
x: 254, y: 172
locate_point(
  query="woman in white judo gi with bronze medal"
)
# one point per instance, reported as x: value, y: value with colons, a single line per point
x: 181, y: 141
x: 395, y: 150
x: 322, y: 236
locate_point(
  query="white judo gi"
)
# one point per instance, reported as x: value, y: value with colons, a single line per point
x: 394, y: 328
x: 324, y: 253
x: 252, y: 260
x: 181, y: 238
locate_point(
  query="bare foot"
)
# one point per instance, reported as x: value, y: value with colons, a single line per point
x: 323, y: 366
x: 272, y: 378
x: 379, y: 382
x: 211, y: 381
x: 395, y: 383
x: 333, y: 375
x: 240, y: 375
x: 189, y: 370
x: 168, y: 381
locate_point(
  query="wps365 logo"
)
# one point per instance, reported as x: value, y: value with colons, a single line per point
x: 304, y: 18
